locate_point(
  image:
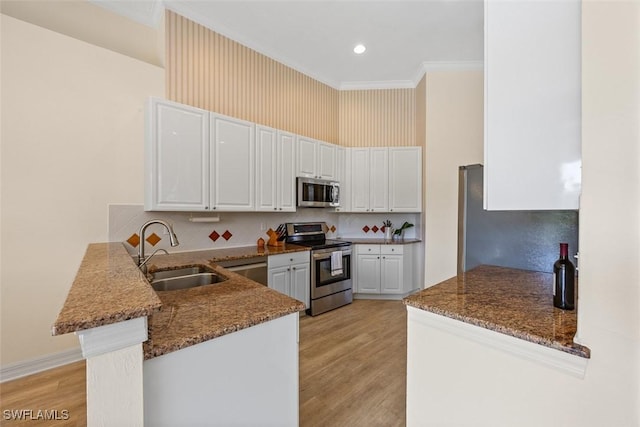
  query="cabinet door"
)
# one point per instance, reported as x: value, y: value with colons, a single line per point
x: 360, y: 180
x: 279, y: 279
x: 368, y: 274
x: 176, y: 157
x: 343, y: 156
x: 379, y: 178
x: 300, y: 285
x: 233, y: 160
x: 532, y: 105
x: 391, y: 274
x: 306, y: 157
x: 266, y: 168
x: 286, y: 182
x: 326, y: 160
x: 405, y: 179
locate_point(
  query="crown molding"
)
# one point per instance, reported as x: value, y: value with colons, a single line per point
x: 385, y: 84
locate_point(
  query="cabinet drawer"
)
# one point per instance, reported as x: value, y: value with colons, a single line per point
x: 281, y: 260
x: 391, y: 249
x: 368, y: 249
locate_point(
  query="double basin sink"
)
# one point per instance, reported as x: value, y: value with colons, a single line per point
x: 175, y: 279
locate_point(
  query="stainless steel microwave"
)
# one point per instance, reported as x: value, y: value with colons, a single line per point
x: 318, y: 193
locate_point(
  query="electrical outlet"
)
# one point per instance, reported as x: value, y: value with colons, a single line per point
x: 263, y: 226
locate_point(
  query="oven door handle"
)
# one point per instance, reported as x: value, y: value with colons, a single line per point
x: 328, y: 255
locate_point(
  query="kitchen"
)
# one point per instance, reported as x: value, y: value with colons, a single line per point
x: 107, y: 155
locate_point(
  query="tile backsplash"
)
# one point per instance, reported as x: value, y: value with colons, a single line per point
x: 236, y: 228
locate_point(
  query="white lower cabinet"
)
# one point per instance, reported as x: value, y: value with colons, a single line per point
x: 289, y: 274
x: 383, y: 269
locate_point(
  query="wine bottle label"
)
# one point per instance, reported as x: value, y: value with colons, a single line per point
x: 554, y: 284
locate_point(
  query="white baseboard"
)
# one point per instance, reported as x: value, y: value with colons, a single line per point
x: 28, y: 367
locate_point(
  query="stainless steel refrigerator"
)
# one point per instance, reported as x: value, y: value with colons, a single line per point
x: 526, y: 240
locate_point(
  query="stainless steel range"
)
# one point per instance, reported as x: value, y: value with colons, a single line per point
x: 330, y: 266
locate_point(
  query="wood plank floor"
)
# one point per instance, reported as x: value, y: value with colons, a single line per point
x: 352, y: 373
x: 58, y: 389
x: 353, y: 366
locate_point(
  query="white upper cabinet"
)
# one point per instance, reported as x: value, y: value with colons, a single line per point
x: 266, y: 168
x: 532, y: 105
x: 369, y: 180
x: 326, y: 162
x: 343, y: 157
x: 316, y: 159
x: 286, y: 184
x: 306, y: 157
x: 176, y: 157
x: 405, y: 179
x: 233, y: 164
x: 275, y: 164
x: 360, y: 184
x: 379, y: 178
x: 385, y: 179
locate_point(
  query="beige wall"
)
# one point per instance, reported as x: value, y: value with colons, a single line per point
x: 72, y: 142
x: 454, y: 137
x: 609, y: 293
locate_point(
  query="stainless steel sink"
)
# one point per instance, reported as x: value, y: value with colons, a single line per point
x: 179, y: 272
x: 184, y: 278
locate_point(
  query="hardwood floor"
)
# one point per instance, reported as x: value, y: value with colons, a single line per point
x: 353, y: 366
x: 55, y: 391
x: 352, y: 373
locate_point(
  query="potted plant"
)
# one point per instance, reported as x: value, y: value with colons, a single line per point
x: 399, y: 232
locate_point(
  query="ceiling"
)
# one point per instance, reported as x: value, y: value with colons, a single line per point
x: 317, y: 37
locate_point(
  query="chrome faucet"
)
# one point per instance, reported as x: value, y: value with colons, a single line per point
x: 172, y: 239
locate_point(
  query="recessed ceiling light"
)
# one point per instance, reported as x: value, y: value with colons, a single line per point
x: 360, y: 48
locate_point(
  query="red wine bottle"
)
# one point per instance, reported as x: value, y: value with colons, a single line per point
x: 564, y: 279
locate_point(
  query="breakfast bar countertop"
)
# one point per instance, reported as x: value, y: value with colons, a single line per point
x: 110, y: 288
x: 514, y: 302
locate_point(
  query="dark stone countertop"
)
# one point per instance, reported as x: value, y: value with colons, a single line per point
x: 514, y: 302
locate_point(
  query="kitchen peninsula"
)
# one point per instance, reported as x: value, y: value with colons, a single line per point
x: 478, y: 338
x: 108, y: 307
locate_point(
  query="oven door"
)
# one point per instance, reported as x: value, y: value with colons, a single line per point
x: 325, y: 282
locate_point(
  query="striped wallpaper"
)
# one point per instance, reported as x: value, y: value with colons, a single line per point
x: 377, y: 118
x: 210, y: 71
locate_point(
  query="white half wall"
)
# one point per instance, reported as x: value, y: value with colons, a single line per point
x: 72, y: 142
x: 454, y: 138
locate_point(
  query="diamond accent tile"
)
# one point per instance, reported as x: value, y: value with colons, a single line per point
x: 227, y: 235
x: 383, y: 228
x: 153, y: 239
x: 375, y: 228
x: 214, y: 235
x: 134, y: 240
x: 333, y: 229
x: 366, y: 228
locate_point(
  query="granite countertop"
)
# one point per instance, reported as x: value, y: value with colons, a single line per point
x: 110, y: 288
x: 378, y: 241
x: 506, y: 300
